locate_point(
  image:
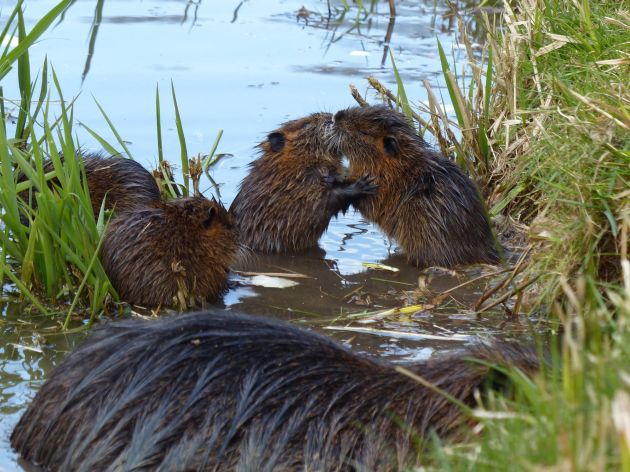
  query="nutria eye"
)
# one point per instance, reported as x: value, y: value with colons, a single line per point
x: 209, y: 217
x: 276, y: 141
x: 391, y: 145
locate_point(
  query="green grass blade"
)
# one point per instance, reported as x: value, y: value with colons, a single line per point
x: 182, y: 144
x: 210, y: 159
x: 113, y: 128
x: 159, y: 125
x: 24, y: 81
x: 449, y: 85
x: 402, y: 94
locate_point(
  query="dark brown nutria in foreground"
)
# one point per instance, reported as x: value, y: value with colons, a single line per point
x: 171, y: 252
x: 294, y: 188
x: 424, y: 201
x: 123, y: 183
x: 226, y: 391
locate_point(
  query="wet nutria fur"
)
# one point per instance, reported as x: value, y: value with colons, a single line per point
x: 171, y: 252
x: 123, y: 183
x: 225, y: 391
x: 424, y: 201
x: 294, y: 188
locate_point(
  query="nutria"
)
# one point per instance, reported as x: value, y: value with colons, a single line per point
x: 171, y: 252
x: 294, y: 188
x: 123, y: 183
x: 424, y: 201
x: 226, y: 391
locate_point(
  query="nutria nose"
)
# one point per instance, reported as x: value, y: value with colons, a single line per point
x: 340, y: 115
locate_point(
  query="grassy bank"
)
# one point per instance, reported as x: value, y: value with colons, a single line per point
x: 544, y: 126
x: 49, y: 254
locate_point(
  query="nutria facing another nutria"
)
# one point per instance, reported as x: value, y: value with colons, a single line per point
x: 123, y: 183
x: 225, y: 391
x: 170, y: 252
x: 424, y: 201
x: 294, y: 188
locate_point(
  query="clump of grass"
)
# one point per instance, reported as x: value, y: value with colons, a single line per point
x: 50, y: 252
x: 51, y: 237
x: 193, y: 168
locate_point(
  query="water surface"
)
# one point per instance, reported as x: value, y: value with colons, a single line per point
x: 245, y: 67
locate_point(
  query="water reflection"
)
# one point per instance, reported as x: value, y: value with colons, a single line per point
x: 96, y: 23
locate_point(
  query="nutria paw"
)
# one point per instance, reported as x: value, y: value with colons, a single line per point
x: 366, y: 185
x: 288, y: 198
x: 346, y: 192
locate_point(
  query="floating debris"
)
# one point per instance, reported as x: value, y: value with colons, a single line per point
x: 286, y: 275
x: 380, y: 314
x: 403, y: 334
x: 376, y: 266
x: 27, y: 348
x: 272, y: 282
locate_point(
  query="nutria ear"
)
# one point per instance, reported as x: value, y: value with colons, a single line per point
x: 390, y: 144
x: 276, y: 141
x: 209, y: 217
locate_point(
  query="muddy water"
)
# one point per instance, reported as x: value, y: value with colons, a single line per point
x: 244, y: 67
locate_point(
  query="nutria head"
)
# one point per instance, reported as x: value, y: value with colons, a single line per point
x: 424, y: 201
x: 301, y: 142
x: 176, y: 253
x: 293, y: 189
x: 375, y: 136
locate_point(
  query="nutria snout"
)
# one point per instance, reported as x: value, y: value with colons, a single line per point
x: 226, y: 391
x: 294, y: 188
x: 424, y: 201
x: 174, y: 253
x: 123, y: 183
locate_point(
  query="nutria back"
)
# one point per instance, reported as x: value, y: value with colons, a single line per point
x: 424, y: 201
x: 294, y: 188
x: 224, y: 391
x: 174, y: 253
x: 123, y: 183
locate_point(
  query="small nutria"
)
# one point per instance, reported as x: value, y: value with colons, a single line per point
x: 424, y: 201
x: 294, y: 188
x: 171, y: 252
x: 226, y: 391
x: 123, y: 183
